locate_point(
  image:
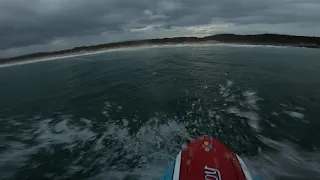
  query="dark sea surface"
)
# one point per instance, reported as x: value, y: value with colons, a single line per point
x: 125, y: 114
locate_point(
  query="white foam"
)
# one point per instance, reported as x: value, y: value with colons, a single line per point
x: 125, y: 122
x: 249, y: 104
x: 147, y: 142
x: 253, y: 117
x: 224, y: 90
x: 62, y: 133
x: 288, y: 162
x: 15, y: 157
x: 299, y: 108
x: 295, y: 114
x: 45, y: 133
x: 251, y: 99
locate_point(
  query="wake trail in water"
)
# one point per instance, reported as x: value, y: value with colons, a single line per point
x: 112, y: 150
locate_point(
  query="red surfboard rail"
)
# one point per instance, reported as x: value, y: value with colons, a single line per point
x: 206, y: 158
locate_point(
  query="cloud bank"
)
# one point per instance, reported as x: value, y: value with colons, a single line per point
x: 44, y: 25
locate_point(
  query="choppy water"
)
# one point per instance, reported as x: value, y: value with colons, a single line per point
x: 126, y: 114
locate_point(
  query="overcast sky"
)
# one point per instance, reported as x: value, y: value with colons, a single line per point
x: 44, y: 25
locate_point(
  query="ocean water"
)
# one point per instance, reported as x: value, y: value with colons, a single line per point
x: 125, y: 114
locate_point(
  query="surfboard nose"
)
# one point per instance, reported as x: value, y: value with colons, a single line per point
x: 206, y: 158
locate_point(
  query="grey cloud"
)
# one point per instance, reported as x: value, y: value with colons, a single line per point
x: 42, y: 22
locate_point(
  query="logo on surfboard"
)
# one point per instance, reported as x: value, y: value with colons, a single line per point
x: 211, y: 173
x: 206, y: 146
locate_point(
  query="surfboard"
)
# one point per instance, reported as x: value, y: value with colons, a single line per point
x: 206, y: 158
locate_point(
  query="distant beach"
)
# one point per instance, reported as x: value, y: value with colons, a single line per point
x: 55, y: 57
x: 225, y: 39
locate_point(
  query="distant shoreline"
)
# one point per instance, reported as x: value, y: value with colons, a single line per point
x: 260, y: 39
